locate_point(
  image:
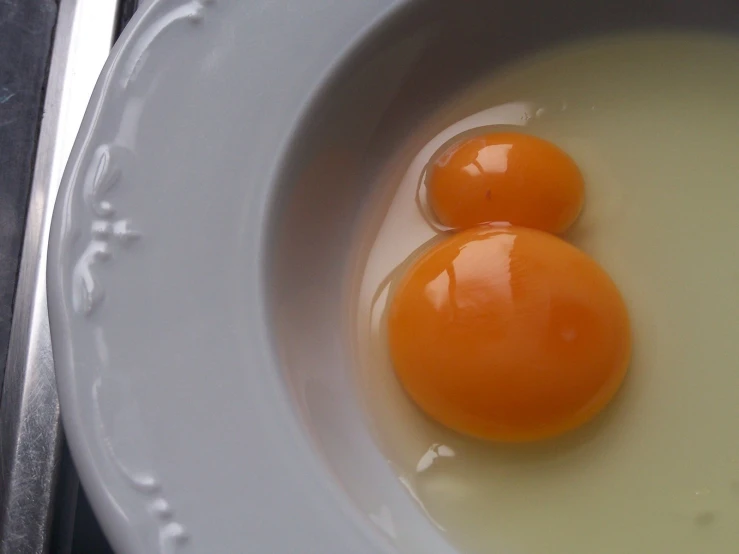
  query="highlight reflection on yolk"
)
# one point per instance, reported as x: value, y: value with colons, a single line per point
x: 506, y: 177
x: 508, y: 334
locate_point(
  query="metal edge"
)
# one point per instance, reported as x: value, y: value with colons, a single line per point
x: 31, y: 435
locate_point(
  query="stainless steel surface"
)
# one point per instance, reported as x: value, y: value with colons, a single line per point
x: 30, y: 435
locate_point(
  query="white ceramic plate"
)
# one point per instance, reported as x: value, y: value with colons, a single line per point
x: 201, y: 244
x: 186, y: 433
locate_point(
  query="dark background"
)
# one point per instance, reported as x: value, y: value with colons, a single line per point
x: 26, y: 38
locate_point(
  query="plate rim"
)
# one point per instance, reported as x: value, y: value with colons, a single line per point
x: 59, y: 303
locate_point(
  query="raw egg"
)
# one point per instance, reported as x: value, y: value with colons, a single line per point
x: 508, y: 334
x: 505, y: 177
x: 653, y: 115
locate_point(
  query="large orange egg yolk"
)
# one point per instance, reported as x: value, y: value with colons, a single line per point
x: 505, y: 177
x: 508, y: 334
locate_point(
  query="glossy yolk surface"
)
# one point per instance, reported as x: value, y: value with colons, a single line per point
x: 508, y: 334
x: 505, y: 177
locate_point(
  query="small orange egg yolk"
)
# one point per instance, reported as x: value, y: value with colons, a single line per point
x: 508, y: 334
x: 506, y: 177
